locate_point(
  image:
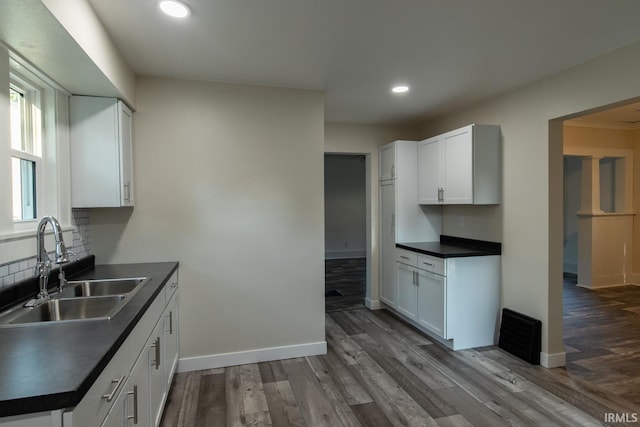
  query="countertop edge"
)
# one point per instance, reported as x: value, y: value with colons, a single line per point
x: 443, y: 248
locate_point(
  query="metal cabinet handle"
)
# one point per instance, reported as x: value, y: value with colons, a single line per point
x: 404, y: 257
x: 127, y: 191
x: 117, y: 382
x: 393, y: 171
x: 134, y: 417
x: 427, y: 263
x: 170, y: 316
x: 156, y: 346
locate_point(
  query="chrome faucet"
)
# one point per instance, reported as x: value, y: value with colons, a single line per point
x: 43, y: 263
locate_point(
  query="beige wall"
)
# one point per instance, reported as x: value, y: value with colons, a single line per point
x: 229, y: 181
x: 581, y: 136
x: 365, y: 139
x: 529, y: 221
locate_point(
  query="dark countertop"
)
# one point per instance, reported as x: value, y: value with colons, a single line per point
x: 453, y: 247
x: 46, y: 367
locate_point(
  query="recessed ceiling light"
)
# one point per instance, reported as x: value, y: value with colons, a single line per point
x: 400, y: 89
x: 174, y: 8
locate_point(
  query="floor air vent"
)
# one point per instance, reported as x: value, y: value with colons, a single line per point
x: 520, y: 336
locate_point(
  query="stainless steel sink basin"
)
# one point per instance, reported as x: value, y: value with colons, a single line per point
x: 80, y: 300
x: 56, y: 310
x: 92, y: 288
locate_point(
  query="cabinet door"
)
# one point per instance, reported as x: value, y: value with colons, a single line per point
x: 155, y: 369
x: 117, y: 415
x: 171, y: 340
x: 407, y: 303
x: 126, y: 154
x: 137, y: 408
x: 386, y: 164
x: 432, y: 302
x: 458, y: 166
x: 430, y: 171
x: 388, y: 286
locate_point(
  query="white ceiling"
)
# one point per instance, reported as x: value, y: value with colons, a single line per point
x: 451, y: 53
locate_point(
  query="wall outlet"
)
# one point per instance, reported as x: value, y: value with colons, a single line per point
x: 460, y: 221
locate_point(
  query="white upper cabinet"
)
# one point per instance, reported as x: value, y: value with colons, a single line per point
x: 101, y: 152
x: 387, y: 162
x: 461, y: 167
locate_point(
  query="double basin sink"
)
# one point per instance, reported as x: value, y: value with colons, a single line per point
x: 79, y: 300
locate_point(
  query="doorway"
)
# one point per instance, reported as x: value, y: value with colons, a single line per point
x: 600, y: 321
x: 345, y: 231
x: 598, y: 201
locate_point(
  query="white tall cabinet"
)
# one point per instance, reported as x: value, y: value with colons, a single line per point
x: 462, y: 166
x: 101, y: 152
x: 401, y: 218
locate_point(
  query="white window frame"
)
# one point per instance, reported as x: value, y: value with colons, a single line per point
x: 33, y: 131
x: 17, y: 238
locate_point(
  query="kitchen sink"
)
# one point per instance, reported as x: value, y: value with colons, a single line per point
x: 57, y: 310
x: 95, y: 288
x: 80, y: 300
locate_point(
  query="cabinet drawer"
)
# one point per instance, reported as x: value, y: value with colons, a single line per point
x: 432, y: 264
x: 407, y: 257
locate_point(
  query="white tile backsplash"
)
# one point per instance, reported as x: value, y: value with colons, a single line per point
x: 21, y: 269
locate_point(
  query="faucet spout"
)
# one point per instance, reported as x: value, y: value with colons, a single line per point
x: 43, y: 263
x: 62, y: 255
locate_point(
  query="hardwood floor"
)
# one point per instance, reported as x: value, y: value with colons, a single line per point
x: 348, y: 277
x: 602, y: 337
x: 380, y: 372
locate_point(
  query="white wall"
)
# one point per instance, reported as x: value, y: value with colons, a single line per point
x: 229, y: 181
x: 529, y: 221
x: 81, y: 22
x: 345, y: 206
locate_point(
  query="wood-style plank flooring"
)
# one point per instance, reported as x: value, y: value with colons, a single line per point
x: 380, y: 372
x: 602, y: 337
x: 348, y: 277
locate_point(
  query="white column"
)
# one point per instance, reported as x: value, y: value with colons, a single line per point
x: 590, y: 188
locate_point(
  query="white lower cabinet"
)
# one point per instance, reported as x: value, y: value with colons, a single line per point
x: 407, y: 284
x: 456, y: 300
x: 171, y: 340
x: 432, y: 302
x: 133, y: 388
x: 407, y: 290
x: 157, y: 389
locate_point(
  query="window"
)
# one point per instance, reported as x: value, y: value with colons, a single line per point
x: 26, y: 147
x: 34, y: 152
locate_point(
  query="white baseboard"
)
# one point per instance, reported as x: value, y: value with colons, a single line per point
x: 355, y: 253
x: 555, y: 360
x: 372, y: 304
x: 634, y: 278
x: 212, y: 361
